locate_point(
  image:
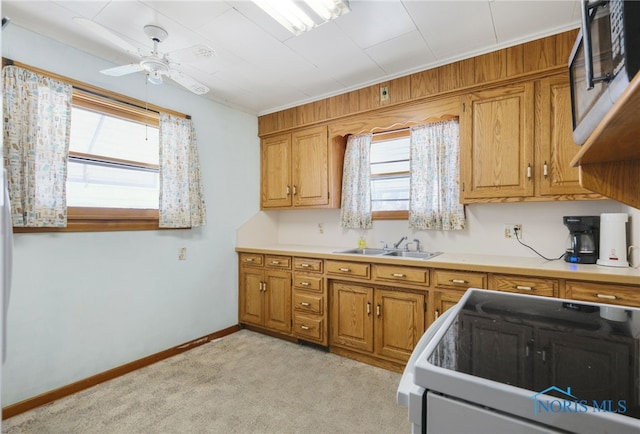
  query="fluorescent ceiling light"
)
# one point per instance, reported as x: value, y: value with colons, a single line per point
x: 302, y: 16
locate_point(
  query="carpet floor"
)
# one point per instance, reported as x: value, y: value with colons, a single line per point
x: 243, y: 383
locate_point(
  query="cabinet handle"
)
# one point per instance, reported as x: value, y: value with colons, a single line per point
x: 458, y: 281
x: 263, y: 286
x: 398, y: 275
x: 248, y: 260
x: 368, y: 308
x: 304, y: 327
x: 295, y: 190
x: 524, y: 288
x: 527, y: 351
x: 288, y: 190
x: 607, y: 296
x: 275, y: 262
x: 378, y: 310
x: 305, y: 304
x: 529, y: 171
x: 345, y: 270
x: 545, y: 169
x: 437, y: 313
x: 305, y: 265
x: 304, y: 284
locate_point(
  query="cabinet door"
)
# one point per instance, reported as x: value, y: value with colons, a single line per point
x: 310, y: 156
x: 496, y: 143
x: 554, y: 139
x: 277, y: 300
x: 251, y: 297
x: 276, y: 172
x: 352, y: 316
x: 399, y: 323
x: 443, y: 301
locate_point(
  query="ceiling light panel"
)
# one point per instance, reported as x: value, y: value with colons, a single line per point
x: 301, y: 16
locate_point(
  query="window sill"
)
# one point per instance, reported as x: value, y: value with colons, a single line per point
x: 390, y: 215
x: 80, y: 219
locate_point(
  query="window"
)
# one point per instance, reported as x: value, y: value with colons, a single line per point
x: 390, y: 163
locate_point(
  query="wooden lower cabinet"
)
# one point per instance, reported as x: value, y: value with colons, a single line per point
x: 383, y: 323
x: 524, y: 285
x: 309, y: 301
x: 443, y: 301
x: 625, y: 295
x: 265, y: 298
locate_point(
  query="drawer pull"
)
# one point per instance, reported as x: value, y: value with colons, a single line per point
x: 607, y: 297
x: 345, y: 270
x: 368, y: 308
x: 275, y: 262
x: 305, y: 304
x: 304, y: 284
x: 524, y: 288
x: 398, y: 275
x: 304, y: 327
x: 458, y: 281
x: 305, y: 265
x: 248, y: 260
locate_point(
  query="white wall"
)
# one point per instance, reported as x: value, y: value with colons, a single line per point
x: 83, y: 303
x: 542, y: 228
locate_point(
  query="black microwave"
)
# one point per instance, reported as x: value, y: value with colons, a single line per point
x: 604, y: 59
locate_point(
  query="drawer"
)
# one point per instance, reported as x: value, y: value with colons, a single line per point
x: 278, y: 261
x: 394, y: 273
x: 308, y: 328
x: 307, y: 282
x: 459, y: 279
x: 345, y: 268
x: 524, y: 285
x: 252, y: 259
x: 604, y: 293
x: 308, y: 303
x: 308, y: 264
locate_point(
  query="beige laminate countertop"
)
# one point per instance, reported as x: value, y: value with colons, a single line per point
x: 529, y: 266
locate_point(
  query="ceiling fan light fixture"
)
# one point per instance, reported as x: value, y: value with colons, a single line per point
x: 296, y: 20
x: 154, y: 77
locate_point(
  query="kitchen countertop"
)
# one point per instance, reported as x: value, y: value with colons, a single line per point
x: 531, y: 266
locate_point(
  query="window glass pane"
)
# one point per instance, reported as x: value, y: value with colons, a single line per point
x: 390, y: 150
x: 392, y: 167
x: 99, y: 134
x: 111, y: 187
x: 390, y: 194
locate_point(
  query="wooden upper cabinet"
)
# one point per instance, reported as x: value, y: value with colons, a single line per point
x: 496, y: 142
x: 555, y: 147
x: 310, y: 167
x: 301, y: 170
x: 276, y: 171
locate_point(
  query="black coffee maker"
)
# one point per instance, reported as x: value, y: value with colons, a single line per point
x: 585, y: 239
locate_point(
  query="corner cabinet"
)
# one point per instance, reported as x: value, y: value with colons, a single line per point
x: 516, y: 144
x: 302, y: 169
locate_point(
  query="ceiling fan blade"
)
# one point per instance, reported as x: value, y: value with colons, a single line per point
x: 117, y: 71
x: 188, y: 82
x: 197, y: 53
x: 106, y: 34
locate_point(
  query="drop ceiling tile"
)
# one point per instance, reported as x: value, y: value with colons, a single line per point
x: 83, y: 8
x: 373, y: 22
x: 531, y: 19
x: 453, y: 28
x: 408, y: 52
x: 192, y: 14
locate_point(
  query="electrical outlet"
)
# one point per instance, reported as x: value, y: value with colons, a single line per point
x: 510, y: 230
x: 182, y: 254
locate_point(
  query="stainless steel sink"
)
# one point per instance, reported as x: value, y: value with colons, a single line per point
x: 365, y: 251
x: 417, y: 255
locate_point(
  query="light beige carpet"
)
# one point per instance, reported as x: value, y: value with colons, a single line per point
x: 243, y: 383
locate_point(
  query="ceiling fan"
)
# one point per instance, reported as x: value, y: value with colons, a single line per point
x: 155, y: 64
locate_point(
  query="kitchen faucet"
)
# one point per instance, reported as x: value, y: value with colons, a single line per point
x: 417, y: 241
x: 396, y: 245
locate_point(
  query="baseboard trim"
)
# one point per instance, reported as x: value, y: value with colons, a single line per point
x: 70, y: 389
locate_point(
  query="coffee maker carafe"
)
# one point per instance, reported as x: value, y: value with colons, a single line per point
x: 584, y: 239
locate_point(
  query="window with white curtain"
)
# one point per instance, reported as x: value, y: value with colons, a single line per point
x: 390, y: 164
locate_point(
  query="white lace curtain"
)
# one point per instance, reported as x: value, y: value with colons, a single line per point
x: 355, y: 211
x: 435, y: 177
x: 37, y: 125
x: 181, y: 194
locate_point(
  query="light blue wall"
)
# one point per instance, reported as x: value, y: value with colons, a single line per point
x: 83, y: 303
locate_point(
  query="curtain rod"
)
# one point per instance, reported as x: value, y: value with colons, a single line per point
x: 94, y: 90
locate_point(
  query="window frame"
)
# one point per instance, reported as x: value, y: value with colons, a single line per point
x: 387, y: 135
x: 95, y: 219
